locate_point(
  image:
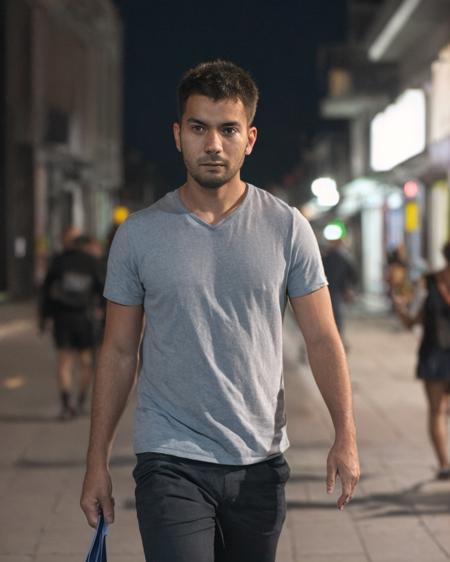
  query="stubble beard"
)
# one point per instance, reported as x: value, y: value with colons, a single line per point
x: 210, y: 181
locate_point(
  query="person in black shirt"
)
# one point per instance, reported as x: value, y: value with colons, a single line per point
x: 71, y: 292
x: 342, y: 277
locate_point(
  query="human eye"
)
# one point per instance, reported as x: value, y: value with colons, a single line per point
x: 196, y: 128
x: 229, y: 131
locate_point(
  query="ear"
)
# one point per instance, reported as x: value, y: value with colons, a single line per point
x: 176, y: 128
x: 251, y: 139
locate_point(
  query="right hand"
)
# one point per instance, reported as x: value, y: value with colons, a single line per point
x: 343, y: 462
x: 96, y: 496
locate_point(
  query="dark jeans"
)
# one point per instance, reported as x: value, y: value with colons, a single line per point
x: 193, y: 511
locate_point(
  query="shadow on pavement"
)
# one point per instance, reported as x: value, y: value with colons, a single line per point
x: 411, y: 501
x: 28, y: 418
x: 300, y: 477
x: 30, y: 464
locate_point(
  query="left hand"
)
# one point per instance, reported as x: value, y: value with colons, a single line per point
x: 343, y: 462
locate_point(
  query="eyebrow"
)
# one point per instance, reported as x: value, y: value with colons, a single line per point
x: 226, y: 124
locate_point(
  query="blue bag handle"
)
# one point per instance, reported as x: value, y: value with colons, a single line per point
x: 97, y: 552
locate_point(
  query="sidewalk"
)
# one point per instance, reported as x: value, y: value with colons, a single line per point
x: 399, y: 514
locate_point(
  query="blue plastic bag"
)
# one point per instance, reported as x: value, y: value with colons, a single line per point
x: 97, y: 552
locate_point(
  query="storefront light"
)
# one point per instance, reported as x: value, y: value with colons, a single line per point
x: 394, y: 201
x: 321, y: 186
x: 329, y: 199
x: 325, y: 189
x: 399, y: 132
x: 335, y: 230
x: 120, y: 214
x: 411, y: 189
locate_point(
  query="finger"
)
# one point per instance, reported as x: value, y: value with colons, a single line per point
x: 348, y: 487
x: 91, y: 510
x: 331, y: 478
x: 343, y: 501
x: 107, y: 506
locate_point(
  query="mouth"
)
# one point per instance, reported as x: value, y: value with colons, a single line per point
x: 212, y: 164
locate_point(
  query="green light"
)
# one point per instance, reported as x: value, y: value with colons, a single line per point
x: 335, y: 230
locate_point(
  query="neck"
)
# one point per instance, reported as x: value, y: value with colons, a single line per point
x: 215, y: 201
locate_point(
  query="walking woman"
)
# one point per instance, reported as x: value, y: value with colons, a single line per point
x: 433, y: 365
x: 434, y: 357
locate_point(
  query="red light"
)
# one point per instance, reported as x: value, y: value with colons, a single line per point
x: 411, y: 189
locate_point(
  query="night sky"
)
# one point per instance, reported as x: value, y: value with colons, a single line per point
x: 275, y: 40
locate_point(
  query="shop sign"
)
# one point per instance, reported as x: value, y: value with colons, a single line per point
x: 411, y: 216
x: 399, y: 132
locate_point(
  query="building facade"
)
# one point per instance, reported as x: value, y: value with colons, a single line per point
x: 61, y: 161
x: 392, y: 82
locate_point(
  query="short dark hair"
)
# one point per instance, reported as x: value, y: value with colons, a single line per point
x: 219, y: 80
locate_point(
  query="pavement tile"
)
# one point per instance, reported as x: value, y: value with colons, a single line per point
x: 438, y: 524
x: 7, y: 558
x: 398, y: 514
x: 15, y: 438
x: 62, y: 558
x: 334, y: 558
x: 443, y: 538
x: 296, y: 494
x: 17, y: 542
x: 126, y: 558
x: 125, y: 540
x: 285, y: 550
x: 55, y: 542
x: 7, y: 475
x: 328, y: 538
x: 430, y: 557
x: 399, y: 538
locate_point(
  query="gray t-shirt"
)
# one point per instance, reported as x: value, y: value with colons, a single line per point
x: 211, y: 385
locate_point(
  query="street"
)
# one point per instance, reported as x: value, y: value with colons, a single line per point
x: 400, y: 513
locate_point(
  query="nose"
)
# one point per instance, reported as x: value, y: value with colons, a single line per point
x: 213, y: 143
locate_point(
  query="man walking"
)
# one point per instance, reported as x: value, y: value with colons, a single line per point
x: 71, y: 292
x: 212, y: 264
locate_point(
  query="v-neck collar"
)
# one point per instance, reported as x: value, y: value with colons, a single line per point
x: 217, y: 225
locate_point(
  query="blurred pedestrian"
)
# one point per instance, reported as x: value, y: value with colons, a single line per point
x: 69, y: 295
x: 397, y: 274
x: 93, y: 247
x: 433, y: 365
x: 342, y: 278
x: 212, y: 263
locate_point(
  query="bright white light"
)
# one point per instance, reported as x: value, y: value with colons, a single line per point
x: 325, y: 189
x: 329, y: 199
x: 332, y: 232
x: 395, y: 24
x: 321, y: 186
x: 395, y: 201
x: 399, y: 132
x: 439, y: 106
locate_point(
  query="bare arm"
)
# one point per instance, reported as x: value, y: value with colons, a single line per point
x: 409, y: 320
x: 114, y: 379
x: 326, y: 354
